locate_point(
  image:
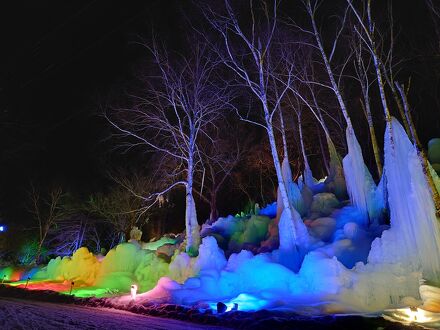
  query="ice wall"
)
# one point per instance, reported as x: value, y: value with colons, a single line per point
x: 360, y: 185
x: 335, y: 180
x: 82, y: 266
x: 122, y: 266
x: 414, y: 237
x: 316, y: 273
x: 293, y: 192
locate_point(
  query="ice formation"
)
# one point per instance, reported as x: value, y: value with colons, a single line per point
x: 192, y: 226
x: 414, y: 237
x: 293, y: 192
x: 335, y: 181
x: 360, y: 184
x: 338, y: 258
x: 122, y: 266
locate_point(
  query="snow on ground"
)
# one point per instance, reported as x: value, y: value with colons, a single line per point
x: 21, y: 314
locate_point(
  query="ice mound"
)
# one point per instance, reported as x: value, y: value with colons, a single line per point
x: 269, y: 211
x: 127, y: 264
x: 323, y: 204
x: 182, y: 267
x: 236, y: 233
x: 122, y: 266
x: 81, y: 267
x: 345, y: 267
x: 154, y: 245
x: 322, y: 228
x: 340, y: 258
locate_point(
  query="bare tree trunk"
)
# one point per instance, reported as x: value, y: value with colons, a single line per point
x: 213, y: 214
x: 329, y: 70
x: 308, y: 177
x: 258, y: 48
x: 381, y: 86
x: 192, y: 227
x: 370, y: 40
x: 324, y: 155
x: 277, y: 165
x: 358, y: 189
x: 283, y: 133
x: 335, y: 159
x: 336, y: 173
x: 374, y: 144
x: 398, y: 102
x: 43, y: 236
x: 38, y: 254
x: 363, y: 77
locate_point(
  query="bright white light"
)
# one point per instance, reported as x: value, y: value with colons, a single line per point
x: 417, y: 315
x: 244, y: 301
x: 2, y: 228
x: 133, y: 291
x: 411, y: 315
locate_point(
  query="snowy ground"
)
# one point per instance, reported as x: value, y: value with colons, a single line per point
x: 50, y: 310
x: 21, y: 314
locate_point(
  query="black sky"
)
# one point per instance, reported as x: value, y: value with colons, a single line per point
x: 59, y: 58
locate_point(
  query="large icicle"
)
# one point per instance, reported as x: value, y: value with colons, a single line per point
x: 297, y: 206
x: 360, y: 184
x: 335, y: 179
x: 290, y: 253
x: 293, y: 192
x: 414, y: 237
x: 293, y: 234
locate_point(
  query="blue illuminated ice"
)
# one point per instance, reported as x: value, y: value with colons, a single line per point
x: 360, y: 185
x: 323, y: 255
x: 339, y: 273
x: 414, y: 237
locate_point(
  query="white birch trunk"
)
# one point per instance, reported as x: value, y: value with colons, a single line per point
x: 292, y: 230
x: 308, y: 176
x: 191, y: 224
x: 358, y: 187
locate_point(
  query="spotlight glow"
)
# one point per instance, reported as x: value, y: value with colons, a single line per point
x: 133, y: 291
x: 411, y: 315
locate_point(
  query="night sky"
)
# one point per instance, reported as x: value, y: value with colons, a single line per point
x: 60, y: 59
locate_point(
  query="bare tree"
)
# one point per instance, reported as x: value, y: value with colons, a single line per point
x: 354, y: 166
x: 121, y: 207
x: 247, y: 53
x: 367, y: 34
x: 434, y: 9
x: 220, y: 157
x: 70, y: 234
x: 312, y: 7
x: 304, y: 88
x: 47, y: 211
x: 182, y: 102
x: 132, y: 201
x: 255, y: 174
x: 362, y: 68
x: 308, y: 176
